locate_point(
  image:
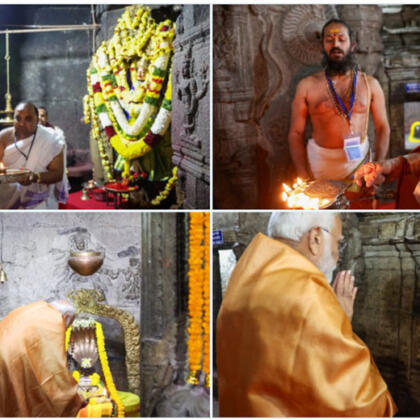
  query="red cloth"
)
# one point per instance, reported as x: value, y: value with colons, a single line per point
x: 75, y: 202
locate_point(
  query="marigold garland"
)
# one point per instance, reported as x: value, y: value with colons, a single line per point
x: 126, y: 81
x: 199, y: 298
x: 206, y: 292
x: 168, y: 188
x: 110, y: 386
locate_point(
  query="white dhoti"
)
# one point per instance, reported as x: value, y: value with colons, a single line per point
x: 45, y: 148
x: 332, y: 163
x: 59, y: 192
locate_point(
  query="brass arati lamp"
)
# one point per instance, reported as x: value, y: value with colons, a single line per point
x: 8, y: 111
x: 3, y: 275
x: 85, y: 263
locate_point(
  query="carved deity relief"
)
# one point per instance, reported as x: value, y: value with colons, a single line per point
x: 127, y: 279
x: 191, y: 87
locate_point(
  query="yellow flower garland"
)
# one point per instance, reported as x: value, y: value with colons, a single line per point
x: 199, y: 298
x: 110, y: 386
x: 136, y: 44
x: 168, y: 188
x: 206, y: 292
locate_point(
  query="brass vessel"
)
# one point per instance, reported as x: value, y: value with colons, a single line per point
x: 85, y: 263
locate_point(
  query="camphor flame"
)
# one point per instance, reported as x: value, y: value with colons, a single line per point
x: 2, y: 168
x: 295, y: 197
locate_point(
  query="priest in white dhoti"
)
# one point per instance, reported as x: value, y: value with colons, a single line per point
x: 30, y: 146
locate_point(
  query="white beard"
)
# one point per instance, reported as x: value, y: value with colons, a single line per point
x: 327, y: 263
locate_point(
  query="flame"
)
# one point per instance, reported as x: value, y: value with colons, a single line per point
x: 287, y: 188
x: 295, y: 197
x: 2, y: 168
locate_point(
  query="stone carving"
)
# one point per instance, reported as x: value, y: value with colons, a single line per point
x: 190, y: 103
x: 131, y: 283
x: 189, y: 92
x: 67, y: 278
x: 90, y: 301
x: 301, y: 32
x: 183, y: 401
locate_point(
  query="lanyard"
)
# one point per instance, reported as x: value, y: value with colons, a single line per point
x: 26, y: 156
x: 339, y: 101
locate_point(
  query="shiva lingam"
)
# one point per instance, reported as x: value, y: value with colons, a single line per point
x: 315, y: 195
x: 82, y: 347
x: 85, y: 263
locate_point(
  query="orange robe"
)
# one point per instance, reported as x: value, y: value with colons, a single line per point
x: 285, y: 347
x: 34, y: 379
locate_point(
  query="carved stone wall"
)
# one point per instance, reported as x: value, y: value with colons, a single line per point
x: 384, y: 252
x: 387, y: 313
x: 401, y: 35
x: 260, y: 54
x: 191, y: 104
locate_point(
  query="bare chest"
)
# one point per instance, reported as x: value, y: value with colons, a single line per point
x: 321, y: 100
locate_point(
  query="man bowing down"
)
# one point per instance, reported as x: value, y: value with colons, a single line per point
x: 29, y: 146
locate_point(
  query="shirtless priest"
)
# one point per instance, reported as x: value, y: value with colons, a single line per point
x: 285, y: 344
x: 30, y: 146
x: 337, y: 101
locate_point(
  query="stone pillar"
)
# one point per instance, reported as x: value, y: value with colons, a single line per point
x: 386, y: 308
x: 164, y: 310
x: 191, y: 104
x: 157, y: 323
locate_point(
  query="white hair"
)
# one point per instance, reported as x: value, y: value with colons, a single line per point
x: 294, y: 224
x: 66, y: 308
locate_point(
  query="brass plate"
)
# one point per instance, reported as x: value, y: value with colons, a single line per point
x: 14, y: 175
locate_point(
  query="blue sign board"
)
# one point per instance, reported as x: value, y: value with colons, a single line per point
x: 217, y: 237
x: 412, y: 87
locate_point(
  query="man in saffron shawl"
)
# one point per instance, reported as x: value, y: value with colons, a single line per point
x: 34, y: 379
x: 30, y: 146
x: 285, y: 344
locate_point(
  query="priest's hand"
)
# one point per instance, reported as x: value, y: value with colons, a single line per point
x: 29, y: 179
x: 343, y: 286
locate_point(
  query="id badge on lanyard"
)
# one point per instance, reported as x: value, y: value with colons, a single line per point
x: 353, y: 148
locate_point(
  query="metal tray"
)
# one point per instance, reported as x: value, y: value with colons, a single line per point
x: 14, y: 175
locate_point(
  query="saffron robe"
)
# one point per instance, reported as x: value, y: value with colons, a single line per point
x: 285, y: 347
x: 34, y: 379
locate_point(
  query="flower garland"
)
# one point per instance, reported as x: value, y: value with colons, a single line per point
x: 126, y: 78
x: 168, y: 188
x: 199, y: 298
x: 100, y: 343
x: 100, y: 340
x: 206, y: 293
